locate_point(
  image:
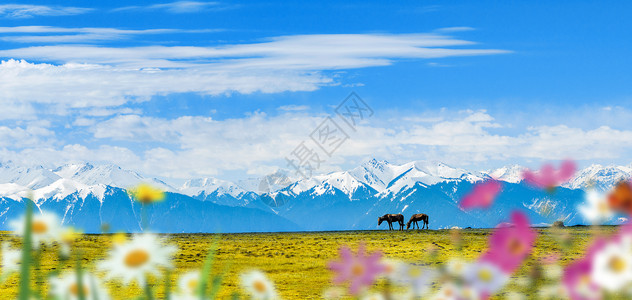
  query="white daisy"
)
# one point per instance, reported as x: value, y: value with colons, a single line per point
x: 456, y: 267
x: 393, y: 269
x: 596, y: 208
x: 334, y: 293
x: 448, y: 292
x: 189, y: 283
x: 67, y: 287
x: 46, y: 228
x: 373, y: 296
x: 10, y: 259
x: 133, y: 260
x: 484, y: 277
x: 419, y: 279
x: 612, y: 266
x: 552, y: 291
x: 553, y: 272
x: 258, y: 285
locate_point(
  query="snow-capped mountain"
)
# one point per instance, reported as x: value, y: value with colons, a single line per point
x: 599, y: 177
x: 91, y: 194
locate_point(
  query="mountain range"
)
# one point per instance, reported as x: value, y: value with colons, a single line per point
x: 89, y: 196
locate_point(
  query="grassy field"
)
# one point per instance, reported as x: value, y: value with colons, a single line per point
x: 297, y: 262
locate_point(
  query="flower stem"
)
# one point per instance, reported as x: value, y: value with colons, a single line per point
x: 25, y: 268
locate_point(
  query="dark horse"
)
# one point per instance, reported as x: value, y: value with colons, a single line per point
x: 390, y: 218
x: 416, y: 218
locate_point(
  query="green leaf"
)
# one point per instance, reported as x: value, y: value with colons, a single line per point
x: 25, y: 268
x: 206, y: 270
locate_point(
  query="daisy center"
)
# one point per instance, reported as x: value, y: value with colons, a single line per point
x: 485, y: 275
x: 193, y: 284
x: 515, y: 247
x: 357, y: 270
x: 259, y: 286
x: 39, y: 227
x: 136, y: 258
x: 74, y: 290
x: 617, y: 264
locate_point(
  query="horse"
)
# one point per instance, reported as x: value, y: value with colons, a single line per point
x: 390, y: 218
x: 416, y: 218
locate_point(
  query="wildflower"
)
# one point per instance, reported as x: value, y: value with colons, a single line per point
x: 451, y: 291
x: 68, y: 238
x: 620, y: 198
x: 577, y: 276
x: 361, y: 270
x: 67, y: 287
x: 147, y: 194
x: 10, y: 259
x: 189, y: 283
x: 482, y: 195
x: 485, y: 277
x: 258, y: 285
x: 612, y: 266
x: 419, y: 279
x: 133, y: 260
x: 455, y: 267
x: 552, y: 291
x: 333, y: 293
x: 373, y: 296
x: 46, y: 228
x: 596, y: 208
x: 392, y: 269
x: 548, y: 178
x: 509, y: 246
x: 553, y: 272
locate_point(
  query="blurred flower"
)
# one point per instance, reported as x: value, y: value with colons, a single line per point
x: 119, y: 238
x: 393, y: 269
x: 419, y: 279
x: 68, y: 238
x: 133, y: 260
x: 360, y: 270
x: 596, y: 208
x: 451, y: 291
x: 455, y: 267
x: 482, y: 195
x: 258, y: 285
x: 515, y: 296
x: 612, y: 266
x: 333, y: 293
x: 485, y: 277
x: 510, y: 245
x: 620, y: 198
x: 577, y: 276
x: 46, y: 228
x: 553, y: 272
x: 549, y: 178
x: 10, y: 259
x: 373, y: 296
x: 66, y: 287
x: 552, y: 291
x: 189, y: 283
x: 147, y: 194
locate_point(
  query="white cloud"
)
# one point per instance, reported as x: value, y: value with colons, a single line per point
x: 180, y: 7
x: 18, y: 11
x: 94, y: 76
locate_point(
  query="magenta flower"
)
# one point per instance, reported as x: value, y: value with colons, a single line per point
x: 548, y: 178
x: 577, y: 278
x: 360, y: 271
x: 482, y: 195
x: 509, y: 246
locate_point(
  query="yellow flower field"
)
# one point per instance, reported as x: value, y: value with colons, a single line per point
x: 297, y: 262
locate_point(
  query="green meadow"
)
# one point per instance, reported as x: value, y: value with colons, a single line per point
x: 297, y: 262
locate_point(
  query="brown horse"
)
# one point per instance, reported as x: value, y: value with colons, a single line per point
x: 390, y: 218
x: 416, y: 218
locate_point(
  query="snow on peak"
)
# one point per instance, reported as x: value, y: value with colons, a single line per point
x: 512, y: 174
x: 195, y: 187
x: 106, y: 174
x: 599, y: 177
x: 29, y: 177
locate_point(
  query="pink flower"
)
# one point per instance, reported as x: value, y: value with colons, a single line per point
x: 510, y: 245
x: 361, y: 270
x: 482, y: 195
x: 577, y: 278
x: 548, y: 177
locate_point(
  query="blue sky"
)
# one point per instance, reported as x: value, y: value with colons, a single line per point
x: 228, y: 89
